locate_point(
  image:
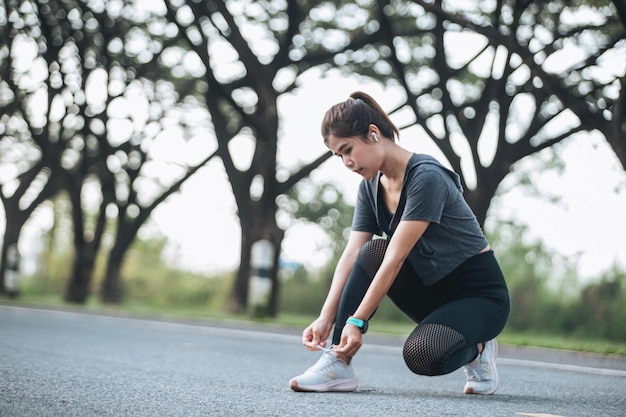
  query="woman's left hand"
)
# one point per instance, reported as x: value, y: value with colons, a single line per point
x: 351, y: 341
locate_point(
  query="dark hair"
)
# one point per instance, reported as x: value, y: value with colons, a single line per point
x: 353, y: 117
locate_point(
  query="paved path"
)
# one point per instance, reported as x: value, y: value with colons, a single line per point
x: 56, y: 363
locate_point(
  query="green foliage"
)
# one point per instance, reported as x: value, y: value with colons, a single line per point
x: 147, y: 277
x: 526, y: 267
x: 324, y: 205
x: 546, y: 295
x: 548, y: 301
x: 600, y: 310
x: 303, y: 294
x: 55, y: 268
x: 321, y: 204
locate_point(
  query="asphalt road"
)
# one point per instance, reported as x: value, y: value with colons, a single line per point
x: 59, y: 363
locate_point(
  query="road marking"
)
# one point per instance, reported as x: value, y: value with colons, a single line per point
x: 537, y: 415
x: 562, y: 367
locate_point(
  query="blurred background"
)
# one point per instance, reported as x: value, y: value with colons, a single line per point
x: 168, y: 154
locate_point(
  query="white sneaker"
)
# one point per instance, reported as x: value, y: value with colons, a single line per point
x: 327, y: 375
x: 482, y: 375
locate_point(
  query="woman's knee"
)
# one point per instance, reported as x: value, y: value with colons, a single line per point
x: 371, y: 255
x: 427, y: 350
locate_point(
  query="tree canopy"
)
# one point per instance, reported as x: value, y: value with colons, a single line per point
x: 89, y: 89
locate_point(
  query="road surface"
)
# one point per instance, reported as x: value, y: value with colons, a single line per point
x: 62, y: 363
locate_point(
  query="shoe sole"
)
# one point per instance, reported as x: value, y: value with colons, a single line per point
x: 469, y: 390
x: 344, y: 385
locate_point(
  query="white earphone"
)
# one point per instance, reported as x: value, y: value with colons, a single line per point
x: 374, y: 137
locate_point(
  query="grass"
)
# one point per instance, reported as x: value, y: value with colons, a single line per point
x: 298, y: 322
x: 562, y: 342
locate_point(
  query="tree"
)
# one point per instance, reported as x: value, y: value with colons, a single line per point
x: 501, y: 86
x: 321, y: 204
x: 456, y: 102
x: 241, y: 97
x: 104, y: 108
x: 620, y: 6
x: 504, y: 85
x: 28, y: 179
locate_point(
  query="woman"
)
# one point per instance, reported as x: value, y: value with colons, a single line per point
x: 433, y: 261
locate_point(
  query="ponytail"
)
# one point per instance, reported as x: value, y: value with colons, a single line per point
x: 354, y: 116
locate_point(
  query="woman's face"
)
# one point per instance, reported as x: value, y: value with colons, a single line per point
x: 357, y: 155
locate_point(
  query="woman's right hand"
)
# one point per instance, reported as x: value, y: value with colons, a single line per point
x: 316, y: 333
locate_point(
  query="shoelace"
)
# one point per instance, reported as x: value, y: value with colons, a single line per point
x: 471, y: 372
x: 325, y: 349
x: 325, y: 361
x: 479, y: 372
x: 484, y: 369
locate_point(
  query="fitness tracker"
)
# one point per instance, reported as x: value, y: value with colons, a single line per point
x: 361, y: 324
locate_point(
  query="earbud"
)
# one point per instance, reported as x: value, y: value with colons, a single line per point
x: 374, y: 137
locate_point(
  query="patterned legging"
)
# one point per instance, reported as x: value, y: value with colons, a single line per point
x: 465, y: 308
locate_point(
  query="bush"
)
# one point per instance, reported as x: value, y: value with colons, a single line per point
x: 546, y: 296
x: 303, y: 294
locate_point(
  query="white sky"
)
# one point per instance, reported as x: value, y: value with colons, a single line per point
x: 587, y: 225
x: 200, y: 222
x: 204, y: 232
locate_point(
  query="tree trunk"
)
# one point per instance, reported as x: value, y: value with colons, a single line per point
x: 78, y: 286
x: 479, y: 199
x: 11, y: 237
x: 238, y: 303
x: 617, y: 136
x: 258, y: 226
x: 112, y: 290
x: 16, y: 216
x: 620, y: 5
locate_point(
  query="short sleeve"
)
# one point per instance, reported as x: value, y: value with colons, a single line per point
x: 427, y: 193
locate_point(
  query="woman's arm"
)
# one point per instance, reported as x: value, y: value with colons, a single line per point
x: 317, y: 333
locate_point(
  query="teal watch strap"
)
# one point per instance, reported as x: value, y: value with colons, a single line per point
x: 361, y: 324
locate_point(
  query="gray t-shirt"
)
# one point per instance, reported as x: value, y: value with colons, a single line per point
x: 433, y: 193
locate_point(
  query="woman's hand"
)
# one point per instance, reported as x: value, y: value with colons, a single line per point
x: 316, y: 334
x: 351, y: 341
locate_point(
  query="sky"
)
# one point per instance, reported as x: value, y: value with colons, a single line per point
x: 587, y: 225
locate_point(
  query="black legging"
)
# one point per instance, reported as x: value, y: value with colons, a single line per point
x: 467, y: 307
